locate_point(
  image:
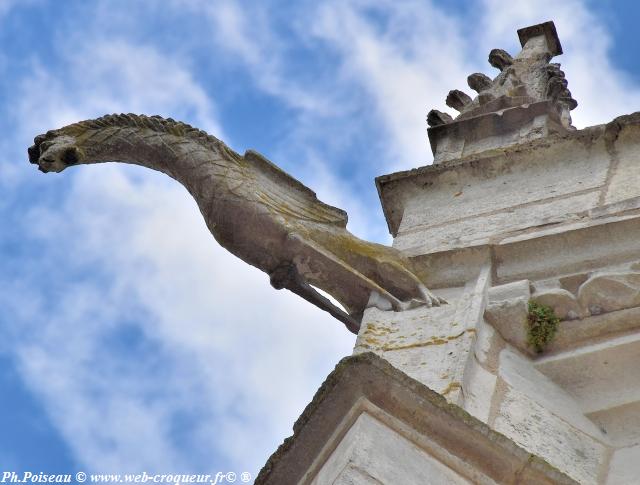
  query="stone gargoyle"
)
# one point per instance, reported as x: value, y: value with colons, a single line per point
x: 253, y: 209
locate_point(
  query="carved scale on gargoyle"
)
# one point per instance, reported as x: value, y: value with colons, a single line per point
x: 528, y: 99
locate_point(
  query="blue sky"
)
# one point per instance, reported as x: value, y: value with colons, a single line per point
x: 129, y: 340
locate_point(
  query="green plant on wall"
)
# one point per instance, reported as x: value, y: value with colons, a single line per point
x: 543, y: 325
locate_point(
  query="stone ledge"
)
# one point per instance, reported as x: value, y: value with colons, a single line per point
x: 396, y: 188
x: 367, y: 376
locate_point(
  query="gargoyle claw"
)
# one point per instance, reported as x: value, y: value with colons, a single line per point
x: 430, y: 298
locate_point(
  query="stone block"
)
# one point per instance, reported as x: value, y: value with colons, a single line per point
x: 509, y: 318
x: 519, y: 373
x: 539, y: 431
x: 607, y: 292
x: 426, y: 343
x: 564, y: 304
x: 624, y: 468
x: 599, y: 376
x: 479, y: 385
x: 373, y: 453
x: 510, y: 291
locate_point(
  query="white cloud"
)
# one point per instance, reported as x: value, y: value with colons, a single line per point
x: 112, y: 77
x: 406, y: 63
x: 405, y: 66
x: 246, y: 33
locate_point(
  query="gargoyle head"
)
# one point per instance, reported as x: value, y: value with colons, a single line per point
x: 55, y: 152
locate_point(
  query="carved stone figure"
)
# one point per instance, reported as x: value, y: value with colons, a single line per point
x: 255, y: 210
x: 526, y: 79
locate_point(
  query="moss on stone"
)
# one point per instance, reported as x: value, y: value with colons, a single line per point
x: 542, y: 325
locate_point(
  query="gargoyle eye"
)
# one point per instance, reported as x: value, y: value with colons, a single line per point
x: 69, y: 156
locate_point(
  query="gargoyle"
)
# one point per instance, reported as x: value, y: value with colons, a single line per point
x: 253, y: 209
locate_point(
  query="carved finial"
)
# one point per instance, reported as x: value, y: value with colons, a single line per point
x: 527, y: 88
x: 457, y: 100
x: 500, y: 59
x: 546, y: 30
x: 479, y: 82
x: 436, y: 118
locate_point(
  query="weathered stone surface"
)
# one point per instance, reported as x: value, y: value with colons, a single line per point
x: 571, y: 248
x: 407, y: 421
x: 557, y: 176
x: 435, y: 118
x: 571, y: 283
x: 546, y: 30
x: 372, y: 453
x: 607, y: 292
x: 457, y: 100
x: 623, y: 143
x: 479, y: 386
x: 500, y: 59
x: 573, y: 334
x: 427, y: 344
x: 564, y: 304
x: 487, y: 346
x: 479, y: 82
x: 624, y: 468
x: 510, y: 291
x: 509, y: 318
x: 520, y: 373
x: 621, y: 423
x: 533, y: 427
x: 490, y: 226
x: 599, y: 376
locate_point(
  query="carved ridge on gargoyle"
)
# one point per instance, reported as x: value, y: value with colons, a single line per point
x: 253, y: 209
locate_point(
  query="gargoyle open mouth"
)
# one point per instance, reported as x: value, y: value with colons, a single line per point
x: 54, y: 153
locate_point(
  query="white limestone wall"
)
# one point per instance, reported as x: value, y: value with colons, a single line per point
x: 372, y: 453
x: 557, y: 221
x: 548, y: 182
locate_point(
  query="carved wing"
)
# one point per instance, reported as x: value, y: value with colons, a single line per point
x: 286, y: 196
